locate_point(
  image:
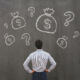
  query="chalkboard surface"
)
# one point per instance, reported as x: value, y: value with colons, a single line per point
x: 55, y: 22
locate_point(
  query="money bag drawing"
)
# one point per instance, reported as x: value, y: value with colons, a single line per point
x: 17, y: 21
x: 46, y: 23
x: 62, y: 42
x: 9, y: 39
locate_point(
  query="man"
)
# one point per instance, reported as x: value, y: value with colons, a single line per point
x: 39, y: 60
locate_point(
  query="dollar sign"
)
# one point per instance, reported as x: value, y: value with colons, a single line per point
x: 62, y: 42
x: 9, y: 39
x: 47, y: 24
x: 18, y: 21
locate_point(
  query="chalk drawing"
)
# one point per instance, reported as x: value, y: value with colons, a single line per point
x: 46, y: 23
x: 17, y: 21
x: 70, y: 18
x: 31, y: 11
x: 9, y: 39
x: 76, y: 34
x: 6, y: 25
x: 62, y: 42
x: 26, y: 37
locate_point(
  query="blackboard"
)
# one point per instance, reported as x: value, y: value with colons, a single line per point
x: 61, y: 39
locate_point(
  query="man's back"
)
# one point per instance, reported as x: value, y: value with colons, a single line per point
x: 39, y: 60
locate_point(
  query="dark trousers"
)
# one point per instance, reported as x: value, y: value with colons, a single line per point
x: 39, y: 76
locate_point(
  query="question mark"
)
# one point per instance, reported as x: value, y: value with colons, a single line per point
x: 76, y: 34
x: 26, y: 36
x: 70, y: 18
x: 6, y: 25
x: 32, y: 11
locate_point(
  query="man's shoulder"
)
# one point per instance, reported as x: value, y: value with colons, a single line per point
x: 32, y: 53
x: 45, y: 52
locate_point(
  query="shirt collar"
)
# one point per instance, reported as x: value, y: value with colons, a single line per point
x: 39, y: 49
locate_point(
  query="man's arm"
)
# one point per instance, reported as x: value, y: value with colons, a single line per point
x: 25, y: 64
x: 53, y: 64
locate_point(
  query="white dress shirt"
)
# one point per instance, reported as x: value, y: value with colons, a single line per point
x: 39, y: 60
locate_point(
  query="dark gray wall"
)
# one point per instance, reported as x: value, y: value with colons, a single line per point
x: 12, y: 57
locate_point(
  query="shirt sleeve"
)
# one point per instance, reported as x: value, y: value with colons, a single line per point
x: 25, y: 64
x: 53, y: 63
